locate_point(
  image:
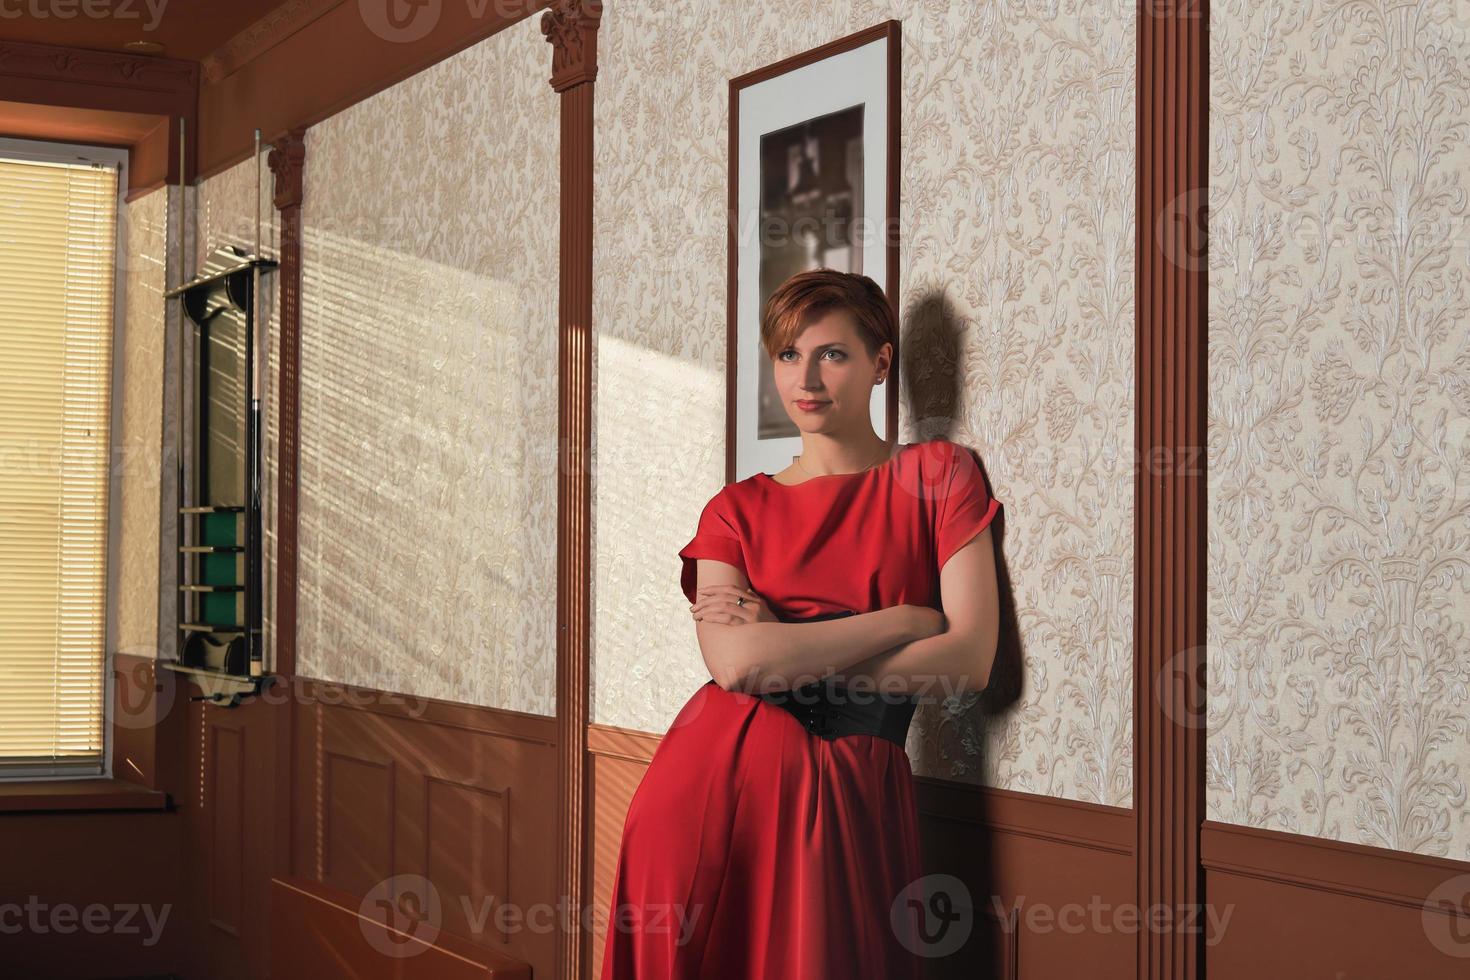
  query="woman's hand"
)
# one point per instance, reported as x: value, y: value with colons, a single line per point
x: 718, y: 604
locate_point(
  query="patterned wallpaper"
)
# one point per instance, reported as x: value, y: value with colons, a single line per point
x: 139, y: 459
x: 1340, y: 422
x: 429, y: 383
x: 1016, y: 293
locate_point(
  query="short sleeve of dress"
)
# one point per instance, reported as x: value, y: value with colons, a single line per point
x: 716, y: 537
x: 963, y: 507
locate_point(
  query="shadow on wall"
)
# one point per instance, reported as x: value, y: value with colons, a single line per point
x: 930, y: 363
x: 932, y: 369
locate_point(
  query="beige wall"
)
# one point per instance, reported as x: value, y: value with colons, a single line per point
x: 139, y: 459
x: 1339, y: 423
x: 1016, y: 292
x: 429, y: 383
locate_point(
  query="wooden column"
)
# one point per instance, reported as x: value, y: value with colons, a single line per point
x: 1169, y: 660
x: 571, y: 28
x: 287, y: 161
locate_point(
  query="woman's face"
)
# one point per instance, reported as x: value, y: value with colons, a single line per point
x: 826, y: 377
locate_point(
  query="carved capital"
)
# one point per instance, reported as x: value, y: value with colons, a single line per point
x: 571, y: 27
x: 286, y: 160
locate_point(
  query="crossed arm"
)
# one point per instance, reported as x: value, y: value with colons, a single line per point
x: 905, y: 649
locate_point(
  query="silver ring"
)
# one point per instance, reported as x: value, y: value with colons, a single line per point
x: 740, y: 601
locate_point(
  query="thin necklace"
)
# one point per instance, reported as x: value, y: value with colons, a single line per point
x: 814, y: 475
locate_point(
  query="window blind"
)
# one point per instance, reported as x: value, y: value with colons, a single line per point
x: 57, y: 233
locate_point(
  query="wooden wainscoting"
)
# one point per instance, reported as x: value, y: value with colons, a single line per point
x: 387, y: 785
x: 230, y: 793
x: 1038, y: 870
x: 320, y: 932
x: 1306, y: 907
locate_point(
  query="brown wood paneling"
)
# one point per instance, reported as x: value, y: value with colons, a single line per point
x: 1170, y: 514
x: 1294, y: 905
x: 321, y: 932
x: 146, y: 721
x: 571, y: 28
x: 389, y: 785
x: 229, y: 795
x: 357, y: 820
x: 224, y: 803
x: 1047, y: 878
x: 122, y: 861
x: 467, y: 849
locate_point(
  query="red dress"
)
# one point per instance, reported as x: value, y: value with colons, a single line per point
x: 754, y: 849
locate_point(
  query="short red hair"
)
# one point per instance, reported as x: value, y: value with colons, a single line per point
x: 808, y: 296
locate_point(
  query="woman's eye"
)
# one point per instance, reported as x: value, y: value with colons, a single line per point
x: 837, y: 352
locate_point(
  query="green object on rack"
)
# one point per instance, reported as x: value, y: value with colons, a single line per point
x: 221, y: 608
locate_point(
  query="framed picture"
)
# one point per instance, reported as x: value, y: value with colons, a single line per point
x: 813, y: 184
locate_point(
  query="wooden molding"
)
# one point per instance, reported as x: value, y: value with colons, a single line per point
x: 261, y: 36
x: 570, y: 26
x: 627, y: 744
x: 502, y: 722
x: 1070, y: 822
x: 287, y: 162
x: 1358, y: 870
x: 79, y: 78
x: 78, y: 794
x: 1170, y: 515
x: 52, y: 63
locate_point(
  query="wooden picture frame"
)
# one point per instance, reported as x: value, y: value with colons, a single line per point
x: 813, y: 181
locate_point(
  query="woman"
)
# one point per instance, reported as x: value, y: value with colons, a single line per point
x: 774, y: 835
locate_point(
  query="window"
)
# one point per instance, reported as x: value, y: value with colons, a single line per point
x: 58, y: 235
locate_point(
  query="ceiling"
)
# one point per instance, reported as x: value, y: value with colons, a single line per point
x: 188, y: 29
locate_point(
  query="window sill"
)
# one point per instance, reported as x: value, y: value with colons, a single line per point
x: 78, y: 794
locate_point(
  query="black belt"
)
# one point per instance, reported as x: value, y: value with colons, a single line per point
x: 829, y: 710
